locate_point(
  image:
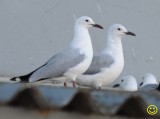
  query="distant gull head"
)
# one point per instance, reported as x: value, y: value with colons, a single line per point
x: 128, y: 83
x: 148, y: 78
x: 86, y: 22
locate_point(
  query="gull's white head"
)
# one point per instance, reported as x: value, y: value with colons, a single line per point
x: 87, y: 22
x: 148, y: 78
x: 128, y: 83
x: 119, y: 30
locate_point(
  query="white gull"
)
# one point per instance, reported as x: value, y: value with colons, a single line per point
x: 107, y: 65
x: 71, y: 62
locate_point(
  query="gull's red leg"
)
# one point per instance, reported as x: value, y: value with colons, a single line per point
x: 65, y: 84
x: 74, y: 84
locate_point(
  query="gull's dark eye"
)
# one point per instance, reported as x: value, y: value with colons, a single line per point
x: 119, y: 29
x: 122, y: 80
x: 87, y: 20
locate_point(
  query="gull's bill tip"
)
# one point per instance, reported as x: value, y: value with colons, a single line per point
x: 130, y: 33
x: 98, y: 26
x: 141, y: 84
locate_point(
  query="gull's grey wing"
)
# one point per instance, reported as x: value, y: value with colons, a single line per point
x: 58, y: 64
x: 149, y: 87
x: 99, y: 62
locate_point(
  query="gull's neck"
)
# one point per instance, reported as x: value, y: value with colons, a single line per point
x: 81, y: 38
x: 114, y: 45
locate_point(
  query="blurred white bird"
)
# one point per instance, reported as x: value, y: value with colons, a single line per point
x: 128, y: 83
x: 149, y: 83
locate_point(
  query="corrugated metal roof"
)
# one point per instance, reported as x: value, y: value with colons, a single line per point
x: 84, y: 101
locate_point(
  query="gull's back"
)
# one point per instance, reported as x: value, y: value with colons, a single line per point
x: 98, y: 62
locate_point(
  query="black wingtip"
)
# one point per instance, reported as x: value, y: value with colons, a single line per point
x: 13, y: 79
x: 24, y: 78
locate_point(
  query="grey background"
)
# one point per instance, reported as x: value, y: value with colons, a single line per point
x: 32, y: 31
